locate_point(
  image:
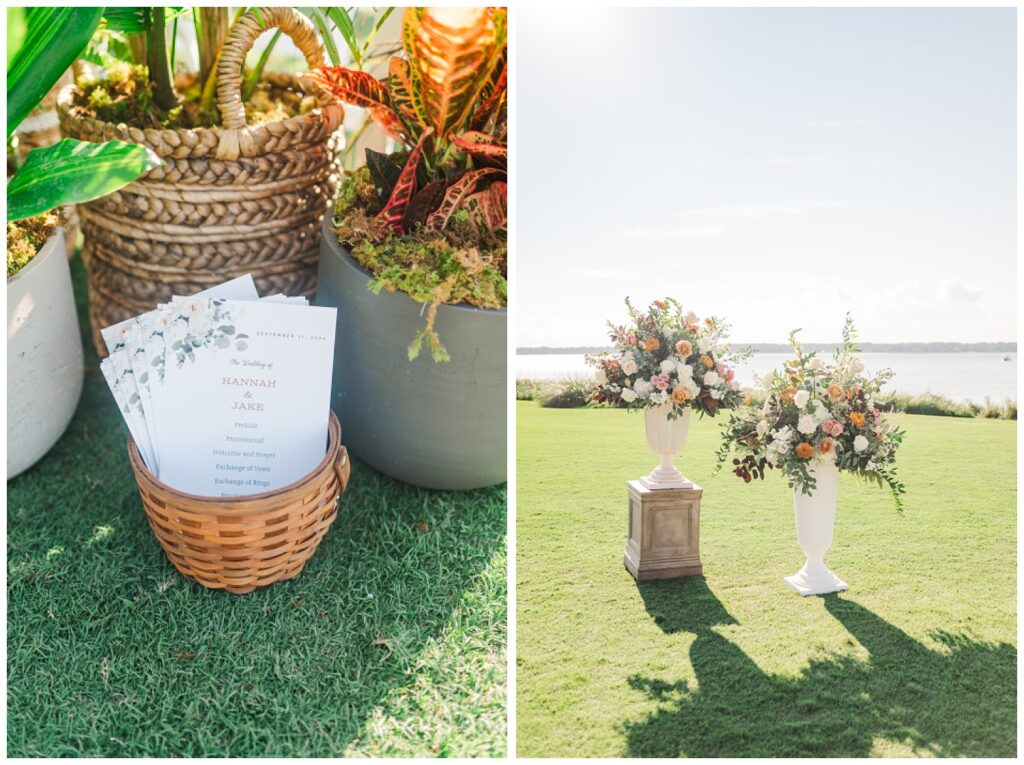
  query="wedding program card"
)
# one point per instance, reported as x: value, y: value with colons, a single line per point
x: 246, y: 395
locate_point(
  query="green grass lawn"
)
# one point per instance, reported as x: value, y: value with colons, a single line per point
x: 391, y: 642
x: 918, y: 658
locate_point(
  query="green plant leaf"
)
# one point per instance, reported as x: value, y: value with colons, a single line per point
x: 53, y: 38
x: 17, y: 28
x: 325, y: 35
x: 73, y: 171
x: 344, y: 24
x: 134, y: 21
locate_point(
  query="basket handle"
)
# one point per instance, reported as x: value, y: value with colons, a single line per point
x: 240, y: 39
x: 343, y: 467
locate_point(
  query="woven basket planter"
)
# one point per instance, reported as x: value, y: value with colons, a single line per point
x: 241, y: 543
x: 227, y: 201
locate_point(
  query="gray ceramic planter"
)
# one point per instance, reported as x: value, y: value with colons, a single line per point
x: 439, y: 425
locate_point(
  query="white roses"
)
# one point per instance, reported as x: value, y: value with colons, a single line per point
x: 860, y: 444
x: 711, y: 378
x: 628, y: 395
x: 815, y: 364
x: 643, y: 388
x: 806, y: 425
x: 628, y: 364
x: 668, y: 366
x: 800, y: 399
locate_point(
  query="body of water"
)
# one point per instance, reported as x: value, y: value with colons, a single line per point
x: 960, y: 376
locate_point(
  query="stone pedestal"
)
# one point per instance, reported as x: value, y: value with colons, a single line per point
x: 664, y: 532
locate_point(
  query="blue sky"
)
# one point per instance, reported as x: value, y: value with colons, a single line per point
x: 777, y: 167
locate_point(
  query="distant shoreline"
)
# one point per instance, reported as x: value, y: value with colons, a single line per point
x: 820, y: 347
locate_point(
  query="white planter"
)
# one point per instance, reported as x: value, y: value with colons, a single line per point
x: 666, y: 438
x: 815, y: 520
x: 44, y: 356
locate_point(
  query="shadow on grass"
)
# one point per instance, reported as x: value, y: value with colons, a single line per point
x: 957, y: 701
x: 112, y: 653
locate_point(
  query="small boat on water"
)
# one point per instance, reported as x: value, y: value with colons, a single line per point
x: 1007, y: 358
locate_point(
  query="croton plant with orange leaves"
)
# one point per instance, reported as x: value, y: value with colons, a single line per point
x: 430, y: 220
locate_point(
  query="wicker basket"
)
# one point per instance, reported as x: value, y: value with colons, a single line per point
x: 227, y: 201
x: 241, y: 543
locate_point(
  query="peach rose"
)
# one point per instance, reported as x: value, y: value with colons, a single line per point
x: 835, y: 392
x: 684, y: 348
x: 706, y: 361
x: 652, y: 344
x: 680, y: 395
x: 825, y: 447
x: 788, y: 392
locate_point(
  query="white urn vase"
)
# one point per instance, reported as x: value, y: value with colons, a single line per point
x: 666, y: 438
x: 44, y: 356
x: 815, y: 520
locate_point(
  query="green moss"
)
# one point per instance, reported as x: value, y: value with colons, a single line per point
x: 461, y: 265
x: 126, y: 95
x: 25, y: 238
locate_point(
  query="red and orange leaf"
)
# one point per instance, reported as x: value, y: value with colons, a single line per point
x: 490, y: 206
x: 454, y: 54
x: 405, y: 99
x: 352, y: 87
x: 394, y: 211
x: 481, y: 145
x: 456, y: 195
x: 492, y: 97
x: 389, y: 121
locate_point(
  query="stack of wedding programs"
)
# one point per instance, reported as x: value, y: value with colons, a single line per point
x: 225, y: 393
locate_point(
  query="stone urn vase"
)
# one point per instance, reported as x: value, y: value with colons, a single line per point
x: 437, y: 425
x: 666, y: 438
x: 815, y: 521
x: 44, y: 356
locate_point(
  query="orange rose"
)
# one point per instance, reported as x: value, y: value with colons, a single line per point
x: 788, y: 392
x: 652, y: 344
x: 835, y: 392
x: 684, y: 348
x: 804, y: 450
x: 706, y: 361
x: 825, y: 447
x: 857, y: 419
x: 680, y: 395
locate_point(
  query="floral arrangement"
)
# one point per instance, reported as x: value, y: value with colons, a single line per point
x: 813, y: 410
x: 666, y: 356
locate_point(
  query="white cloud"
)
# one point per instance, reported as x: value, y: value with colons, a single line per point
x: 817, y: 124
x: 672, y: 233
x: 762, y: 210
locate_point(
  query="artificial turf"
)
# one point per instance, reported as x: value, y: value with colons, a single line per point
x: 391, y: 641
x: 918, y: 658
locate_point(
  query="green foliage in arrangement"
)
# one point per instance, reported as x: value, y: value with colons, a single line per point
x: 390, y: 643
x: 919, y: 658
x: 41, y: 44
x: 73, y: 171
